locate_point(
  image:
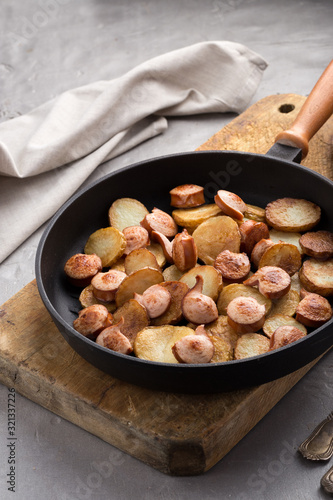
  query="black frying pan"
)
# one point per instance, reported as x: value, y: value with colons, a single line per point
x: 258, y: 179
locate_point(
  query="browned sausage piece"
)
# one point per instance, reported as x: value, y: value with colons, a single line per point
x: 184, y: 251
x: 197, y: 307
x: 314, y: 310
x: 251, y: 232
x: 156, y: 299
x: 160, y: 221
x: 92, y: 320
x: 187, y: 196
x: 259, y: 249
x: 273, y: 282
x: 285, y: 335
x: 113, y: 339
x: 234, y: 267
x: 245, y: 314
x: 106, y: 284
x: 81, y: 268
x: 318, y: 244
x: 230, y: 204
x: 193, y: 349
x: 165, y: 243
x: 136, y: 237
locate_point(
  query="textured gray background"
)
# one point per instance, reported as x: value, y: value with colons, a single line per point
x: 54, y: 45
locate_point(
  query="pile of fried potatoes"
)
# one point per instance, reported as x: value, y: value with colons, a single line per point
x: 205, y: 283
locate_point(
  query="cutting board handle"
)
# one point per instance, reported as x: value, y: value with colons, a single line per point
x: 314, y: 113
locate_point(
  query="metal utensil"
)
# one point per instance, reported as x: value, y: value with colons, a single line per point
x: 327, y: 481
x: 319, y: 445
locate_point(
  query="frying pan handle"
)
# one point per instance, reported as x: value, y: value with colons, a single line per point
x: 314, y: 113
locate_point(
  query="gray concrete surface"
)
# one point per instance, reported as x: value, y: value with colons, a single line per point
x: 53, y: 45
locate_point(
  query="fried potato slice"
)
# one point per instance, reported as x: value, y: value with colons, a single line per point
x: 295, y: 283
x: 282, y: 255
x: 172, y: 273
x: 292, y: 214
x: 212, y: 280
x: 293, y: 238
x: 317, y: 276
x: 287, y: 304
x: 135, y: 319
x: 215, y: 235
x: 255, y: 213
x: 275, y: 321
x: 192, y: 217
x: 234, y: 290
x: 137, y: 282
x: 140, y: 258
x: 224, y: 339
x: 154, y: 343
x: 119, y: 265
x: 174, y: 313
x: 251, y: 344
x: 156, y: 249
x: 108, y: 243
x: 126, y: 212
x: 87, y: 298
x: 318, y: 244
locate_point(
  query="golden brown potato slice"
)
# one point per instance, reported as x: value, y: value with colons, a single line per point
x: 174, y: 313
x: 156, y: 249
x: 287, y: 304
x: 295, y: 283
x: 293, y: 238
x: 234, y: 290
x: 119, y: 265
x: 126, y: 212
x: 224, y: 339
x: 108, y: 243
x: 275, y: 321
x: 154, y: 343
x: 282, y: 255
x: 215, y: 235
x: 192, y: 217
x: 135, y: 319
x: 317, y: 276
x: 87, y: 298
x: 212, y: 280
x: 172, y: 273
x: 255, y: 213
x: 318, y: 244
x: 137, y: 282
x: 251, y: 344
x: 140, y: 258
x: 292, y: 215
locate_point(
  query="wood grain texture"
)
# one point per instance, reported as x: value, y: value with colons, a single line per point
x: 254, y: 131
x: 175, y: 433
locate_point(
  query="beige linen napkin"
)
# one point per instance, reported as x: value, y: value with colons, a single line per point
x: 45, y: 155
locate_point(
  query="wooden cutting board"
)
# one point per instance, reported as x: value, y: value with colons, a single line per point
x: 175, y: 433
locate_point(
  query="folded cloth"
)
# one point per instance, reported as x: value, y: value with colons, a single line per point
x: 45, y: 155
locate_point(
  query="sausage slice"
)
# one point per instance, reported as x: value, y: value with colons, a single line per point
x: 313, y: 310
x: 251, y: 233
x: 92, y: 320
x: 245, y: 314
x: 81, y: 268
x: 113, y: 339
x: 136, y: 237
x: 193, y: 349
x: 318, y: 244
x: 273, y: 282
x: 285, y: 335
x: 105, y: 285
x: 233, y: 266
x: 187, y: 196
x: 160, y: 221
x: 230, y: 204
